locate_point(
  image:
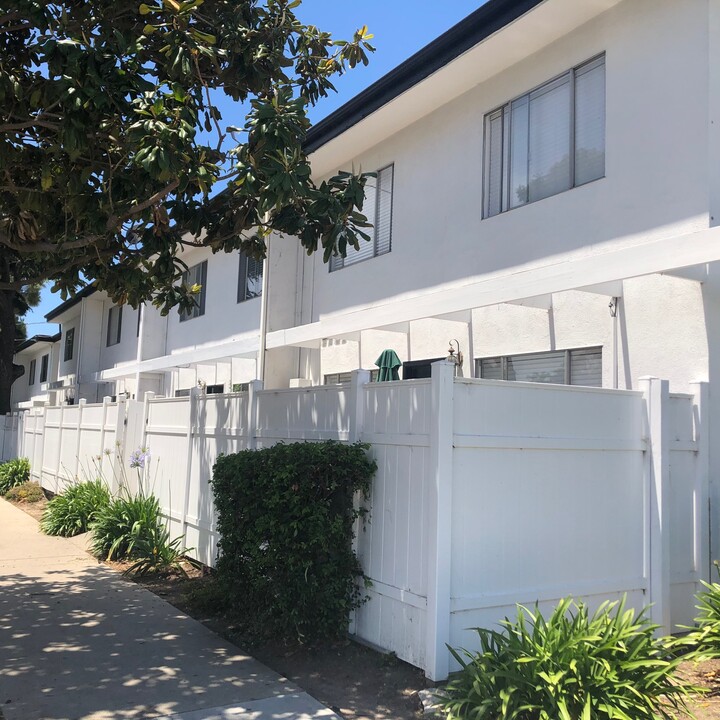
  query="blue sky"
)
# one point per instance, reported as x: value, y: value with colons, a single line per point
x: 401, y: 28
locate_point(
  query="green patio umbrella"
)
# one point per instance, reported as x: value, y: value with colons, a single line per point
x: 388, y: 362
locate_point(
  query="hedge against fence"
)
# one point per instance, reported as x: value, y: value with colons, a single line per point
x: 285, y: 518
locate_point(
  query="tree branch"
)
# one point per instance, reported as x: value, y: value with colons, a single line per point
x: 115, y: 220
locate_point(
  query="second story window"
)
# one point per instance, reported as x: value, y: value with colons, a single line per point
x: 31, y: 372
x: 44, y: 364
x: 377, y: 208
x: 69, y: 344
x: 195, y: 278
x: 250, y: 278
x: 114, y: 326
x: 547, y: 141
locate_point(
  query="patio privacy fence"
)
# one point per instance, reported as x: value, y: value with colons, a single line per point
x: 487, y: 494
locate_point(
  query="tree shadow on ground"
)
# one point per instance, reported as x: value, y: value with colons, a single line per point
x: 88, y: 643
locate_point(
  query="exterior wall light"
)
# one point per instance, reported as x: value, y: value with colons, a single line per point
x: 455, y: 357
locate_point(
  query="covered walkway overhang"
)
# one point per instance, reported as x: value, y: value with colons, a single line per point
x: 245, y: 346
x: 686, y: 256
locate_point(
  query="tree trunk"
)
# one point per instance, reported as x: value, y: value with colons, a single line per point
x: 8, y: 372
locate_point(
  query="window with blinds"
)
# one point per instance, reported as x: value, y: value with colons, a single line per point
x: 547, y: 141
x: 581, y: 366
x: 378, y: 210
x: 346, y: 377
x: 250, y: 278
x: 196, y: 275
x: 114, y: 326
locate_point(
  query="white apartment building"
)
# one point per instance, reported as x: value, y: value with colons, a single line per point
x: 547, y: 198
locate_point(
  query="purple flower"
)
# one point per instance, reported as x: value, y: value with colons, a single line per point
x: 139, y: 457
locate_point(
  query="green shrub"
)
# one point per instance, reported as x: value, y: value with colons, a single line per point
x: 29, y: 492
x: 73, y: 511
x: 571, y: 667
x: 704, y: 640
x: 158, y: 554
x: 285, y: 518
x: 120, y: 528
x: 14, y: 473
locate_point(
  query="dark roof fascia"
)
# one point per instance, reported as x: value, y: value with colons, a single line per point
x: 70, y: 302
x: 25, y: 344
x: 476, y: 27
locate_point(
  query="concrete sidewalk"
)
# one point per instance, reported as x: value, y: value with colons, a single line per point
x: 78, y: 641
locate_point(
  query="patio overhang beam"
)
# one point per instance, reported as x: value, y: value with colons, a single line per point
x: 600, y: 272
x: 244, y: 347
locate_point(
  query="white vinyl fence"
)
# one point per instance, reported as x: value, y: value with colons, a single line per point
x: 487, y: 493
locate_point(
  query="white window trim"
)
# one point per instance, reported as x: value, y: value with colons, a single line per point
x: 337, y: 262
x: 505, y: 153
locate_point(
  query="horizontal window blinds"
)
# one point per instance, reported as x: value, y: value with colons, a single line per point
x: 574, y: 367
x: 546, y: 141
x: 377, y: 207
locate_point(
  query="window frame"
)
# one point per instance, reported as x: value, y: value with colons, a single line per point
x: 242, y: 289
x: 199, y: 309
x: 44, y: 368
x: 506, y: 143
x: 69, y: 343
x: 567, y: 364
x: 110, y: 341
x: 32, y: 371
x: 337, y: 262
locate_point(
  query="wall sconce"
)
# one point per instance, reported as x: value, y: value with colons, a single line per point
x: 201, y: 386
x: 70, y: 396
x: 455, y: 357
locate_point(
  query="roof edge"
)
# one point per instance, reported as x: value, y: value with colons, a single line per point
x: 70, y: 302
x: 25, y: 344
x: 476, y: 27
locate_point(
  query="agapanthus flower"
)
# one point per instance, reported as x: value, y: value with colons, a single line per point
x: 139, y: 457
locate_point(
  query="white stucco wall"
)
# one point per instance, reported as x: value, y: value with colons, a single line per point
x: 224, y: 316
x: 656, y: 182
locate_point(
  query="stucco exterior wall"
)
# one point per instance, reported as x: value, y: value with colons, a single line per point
x: 656, y: 182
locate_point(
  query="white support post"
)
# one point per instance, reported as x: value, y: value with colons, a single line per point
x: 358, y: 380
x: 57, y: 487
x: 657, y: 465
x: 440, y: 518
x: 119, y: 451
x: 254, y: 387
x: 105, y: 402
x: 704, y: 525
x: 190, y: 444
x: 81, y: 408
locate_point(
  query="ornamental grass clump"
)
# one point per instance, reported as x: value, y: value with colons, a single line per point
x: 120, y: 527
x: 73, y: 511
x: 13, y: 473
x: 572, y: 666
x: 704, y: 640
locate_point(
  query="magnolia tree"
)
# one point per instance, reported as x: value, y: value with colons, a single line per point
x: 112, y: 143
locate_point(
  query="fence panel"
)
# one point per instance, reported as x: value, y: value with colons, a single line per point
x: 686, y: 569
x: 392, y: 547
x: 316, y: 413
x: 9, y: 437
x: 549, y: 499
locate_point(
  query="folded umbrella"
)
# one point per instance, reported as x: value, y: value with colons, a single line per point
x: 388, y: 362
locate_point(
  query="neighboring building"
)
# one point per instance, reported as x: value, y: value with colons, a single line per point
x: 39, y: 356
